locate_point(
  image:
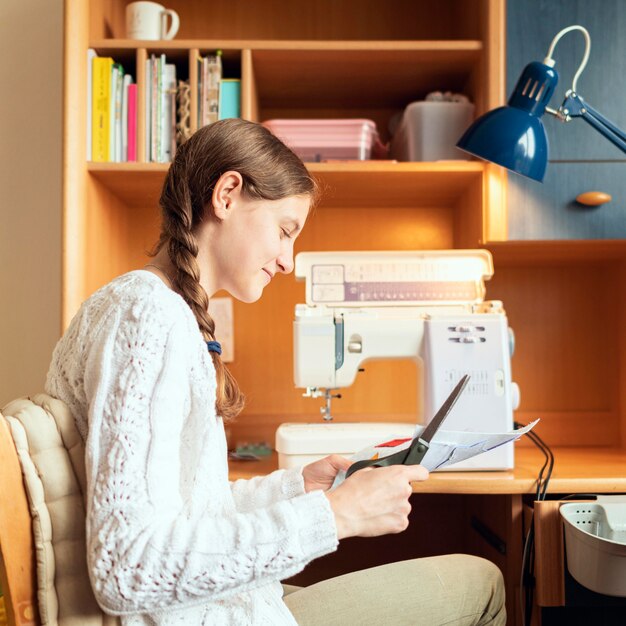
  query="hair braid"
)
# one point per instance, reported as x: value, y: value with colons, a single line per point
x: 270, y: 171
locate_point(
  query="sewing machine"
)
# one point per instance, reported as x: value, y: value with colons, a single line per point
x: 428, y: 306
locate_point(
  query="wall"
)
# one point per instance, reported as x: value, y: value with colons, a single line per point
x: 31, y: 62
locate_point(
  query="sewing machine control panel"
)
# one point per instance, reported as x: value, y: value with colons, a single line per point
x: 394, y: 278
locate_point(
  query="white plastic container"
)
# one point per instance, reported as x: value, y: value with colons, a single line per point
x: 429, y: 131
x: 595, y: 543
x: 321, y: 140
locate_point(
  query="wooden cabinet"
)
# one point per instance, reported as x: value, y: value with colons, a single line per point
x: 560, y: 277
x: 531, y: 26
x: 551, y: 211
x: 330, y: 59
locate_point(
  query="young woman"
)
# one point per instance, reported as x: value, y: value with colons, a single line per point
x: 169, y: 539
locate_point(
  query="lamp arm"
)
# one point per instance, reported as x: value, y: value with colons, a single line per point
x: 575, y: 106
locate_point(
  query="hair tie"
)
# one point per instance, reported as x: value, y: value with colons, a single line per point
x: 214, y: 346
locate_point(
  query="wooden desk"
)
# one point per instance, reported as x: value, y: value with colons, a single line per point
x: 466, y: 511
x: 576, y: 470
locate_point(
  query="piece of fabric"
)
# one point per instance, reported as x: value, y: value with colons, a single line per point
x: 451, y: 590
x: 169, y: 539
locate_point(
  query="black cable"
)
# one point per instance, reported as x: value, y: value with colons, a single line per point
x: 527, y: 582
x: 545, y: 448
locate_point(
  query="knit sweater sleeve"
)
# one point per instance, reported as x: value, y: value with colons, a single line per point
x: 262, y: 491
x: 146, y: 550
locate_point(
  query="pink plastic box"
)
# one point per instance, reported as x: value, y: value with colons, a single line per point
x: 321, y: 140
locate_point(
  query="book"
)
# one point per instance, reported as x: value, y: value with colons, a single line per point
x: 154, y: 127
x: 101, y: 104
x: 113, y: 95
x: 168, y: 97
x: 148, y: 108
x: 209, y: 77
x: 159, y: 109
x: 132, y: 122
x: 230, y: 98
x: 201, y: 90
x: 213, y: 77
x: 119, y: 86
x: 126, y: 84
x: 91, y: 54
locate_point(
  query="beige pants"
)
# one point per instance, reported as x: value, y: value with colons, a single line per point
x: 455, y: 589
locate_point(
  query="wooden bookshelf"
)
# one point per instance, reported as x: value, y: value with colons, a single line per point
x: 565, y: 295
x: 566, y: 301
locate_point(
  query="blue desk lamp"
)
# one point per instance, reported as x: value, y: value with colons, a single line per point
x: 513, y: 136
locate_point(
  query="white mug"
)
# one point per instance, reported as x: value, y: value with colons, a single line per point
x: 148, y: 20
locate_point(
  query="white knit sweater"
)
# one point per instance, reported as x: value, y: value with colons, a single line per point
x: 169, y: 539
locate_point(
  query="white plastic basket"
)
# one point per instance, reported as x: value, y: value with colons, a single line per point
x: 595, y: 543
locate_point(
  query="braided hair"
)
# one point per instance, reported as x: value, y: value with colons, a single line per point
x: 270, y: 171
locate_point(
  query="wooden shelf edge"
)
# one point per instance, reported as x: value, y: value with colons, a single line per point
x: 577, y: 470
x: 424, y: 167
x: 413, y: 184
x: 467, y: 45
x: 556, y: 251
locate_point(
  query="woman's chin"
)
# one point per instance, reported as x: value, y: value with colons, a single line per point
x: 248, y: 296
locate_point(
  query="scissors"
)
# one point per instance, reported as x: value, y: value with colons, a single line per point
x: 414, y: 454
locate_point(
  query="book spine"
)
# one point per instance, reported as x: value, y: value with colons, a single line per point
x: 169, y: 90
x: 91, y: 54
x: 205, y: 83
x: 101, y: 104
x: 113, y: 96
x: 199, y: 92
x: 132, y: 122
x: 119, y: 89
x: 230, y: 98
x: 124, y: 129
x: 213, y: 78
x: 153, y: 110
x: 148, y: 108
x: 159, y: 104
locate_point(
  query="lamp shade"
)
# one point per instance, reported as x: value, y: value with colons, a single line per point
x: 513, y: 136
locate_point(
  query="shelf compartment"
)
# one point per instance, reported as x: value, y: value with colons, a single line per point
x: 370, y: 183
x: 320, y: 19
x: 381, y: 75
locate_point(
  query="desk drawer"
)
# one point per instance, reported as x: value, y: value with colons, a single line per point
x: 550, y: 210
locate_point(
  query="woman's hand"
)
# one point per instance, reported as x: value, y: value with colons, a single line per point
x: 375, y: 500
x: 321, y: 474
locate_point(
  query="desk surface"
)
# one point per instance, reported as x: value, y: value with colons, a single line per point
x: 576, y: 470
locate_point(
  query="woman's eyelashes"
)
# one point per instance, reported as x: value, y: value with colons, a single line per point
x: 285, y: 233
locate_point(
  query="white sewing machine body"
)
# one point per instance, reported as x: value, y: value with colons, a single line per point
x: 426, y: 306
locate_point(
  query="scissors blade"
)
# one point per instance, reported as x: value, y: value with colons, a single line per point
x: 430, y: 430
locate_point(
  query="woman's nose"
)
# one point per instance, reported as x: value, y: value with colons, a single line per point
x: 285, y: 262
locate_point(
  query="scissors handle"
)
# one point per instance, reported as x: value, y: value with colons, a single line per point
x: 412, y: 455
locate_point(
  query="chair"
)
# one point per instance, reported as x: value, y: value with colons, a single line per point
x: 42, y: 517
x: 17, y: 554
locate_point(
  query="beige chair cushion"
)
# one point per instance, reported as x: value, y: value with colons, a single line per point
x: 52, y: 457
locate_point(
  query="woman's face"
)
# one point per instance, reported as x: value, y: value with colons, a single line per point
x: 254, y: 242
